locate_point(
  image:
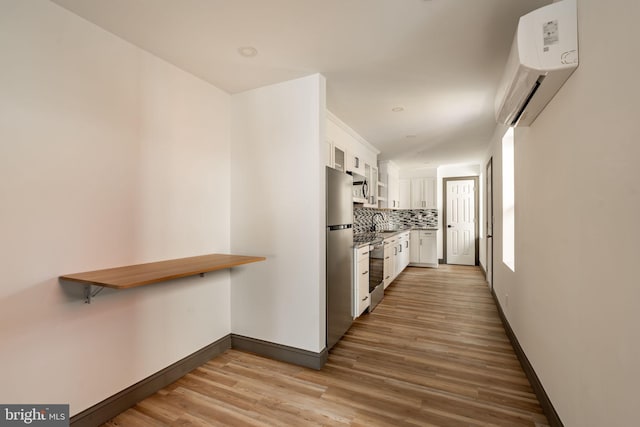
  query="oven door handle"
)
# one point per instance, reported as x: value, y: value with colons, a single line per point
x: 376, y: 246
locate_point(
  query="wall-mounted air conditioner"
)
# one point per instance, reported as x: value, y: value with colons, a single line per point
x: 543, y: 56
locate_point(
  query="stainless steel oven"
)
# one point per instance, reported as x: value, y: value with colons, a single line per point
x: 376, y: 273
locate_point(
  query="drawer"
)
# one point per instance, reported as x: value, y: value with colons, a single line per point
x: 427, y: 234
x: 363, y: 269
x: 363, y: 253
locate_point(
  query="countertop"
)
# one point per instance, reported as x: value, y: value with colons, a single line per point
x: 363, y: 239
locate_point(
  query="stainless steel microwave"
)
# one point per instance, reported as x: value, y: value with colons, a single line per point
x: 360, y: 188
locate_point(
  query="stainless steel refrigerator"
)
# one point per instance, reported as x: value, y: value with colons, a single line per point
x: 339, y: 254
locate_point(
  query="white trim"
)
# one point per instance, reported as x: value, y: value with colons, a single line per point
x: 351, y: 132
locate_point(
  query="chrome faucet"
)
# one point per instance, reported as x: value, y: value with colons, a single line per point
x: 373, y: 220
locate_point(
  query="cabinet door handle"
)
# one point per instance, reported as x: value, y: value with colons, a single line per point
x: 365, y: 298
x: 366, y: 272
x: 387, y: 258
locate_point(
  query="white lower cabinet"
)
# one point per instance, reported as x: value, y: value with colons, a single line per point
x: 397, y: 251
x: 424, y: 248
x: 403, y: 252
x: 390, y: 251
x: 406, y: 249
x: 361, y: 298
x: 415, y: 248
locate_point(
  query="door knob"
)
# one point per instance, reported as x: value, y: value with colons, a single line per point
x: 449, y: 226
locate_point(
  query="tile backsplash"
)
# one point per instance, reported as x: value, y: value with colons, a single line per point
x: 364, y: 218
x: 415, y: 218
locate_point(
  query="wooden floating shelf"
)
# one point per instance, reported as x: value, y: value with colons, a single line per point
x: 154, y: 272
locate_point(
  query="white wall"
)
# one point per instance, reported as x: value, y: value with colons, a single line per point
x: 574, y: 299
x: 108, y: 157
x: 277, y: 165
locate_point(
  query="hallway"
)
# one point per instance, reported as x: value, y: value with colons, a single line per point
x: 433, y: 353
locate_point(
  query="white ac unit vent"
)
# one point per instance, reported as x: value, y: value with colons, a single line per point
x: 543, y: 55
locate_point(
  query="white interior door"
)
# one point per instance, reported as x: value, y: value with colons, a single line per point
x: 461, y: 230
x: 489, y: 222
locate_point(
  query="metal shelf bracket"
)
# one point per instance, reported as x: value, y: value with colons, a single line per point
x: 88, y: 294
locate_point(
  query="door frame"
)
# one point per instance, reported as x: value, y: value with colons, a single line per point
x: 489, y: 220
x: 476, y: 212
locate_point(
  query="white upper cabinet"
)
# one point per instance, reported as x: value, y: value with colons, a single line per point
x: 336, y: 156
x: 405, y: 194
x: 420, y: 194
x: 371, y: 173
x: 374, y: 186
x: 355, y: 162
x: 339, y: 158
x: 430, y: 193
x: 423, y: 193
x: 413, y: 192
x: 394, y: 191
x: 391, y: 185
x: 350, y: 149
x: 417, y: 193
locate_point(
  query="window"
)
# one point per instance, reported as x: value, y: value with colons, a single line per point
x: 508, y: 200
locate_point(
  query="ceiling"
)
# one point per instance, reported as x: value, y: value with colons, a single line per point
x: 439, y: 60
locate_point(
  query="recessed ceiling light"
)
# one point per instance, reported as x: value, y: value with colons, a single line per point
x: 248, y: 51
x: 397, y: 109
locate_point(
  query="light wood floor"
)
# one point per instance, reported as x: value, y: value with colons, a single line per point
x: 433, y: 353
